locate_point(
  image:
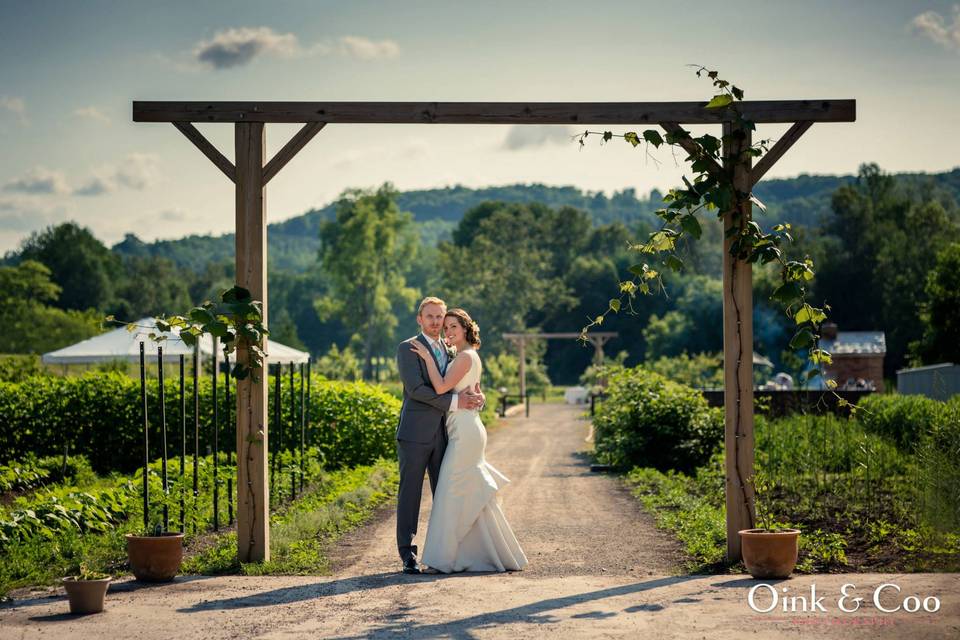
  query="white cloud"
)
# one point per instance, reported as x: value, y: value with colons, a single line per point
x: 236, y: 47
x: 532, y: 136
x: 172, y: 215
x: 366, y: 49
x: 98, y: 185
x: 92, y: 113
x: 39, y: 180
x: 138, y: 172
x: 15, y: 106
x: 21, y: 216
x: 239, y: 46
x: 935, y: 27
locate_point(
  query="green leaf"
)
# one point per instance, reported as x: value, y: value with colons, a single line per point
x: 720, y: 101
x: 737, y: 92
x: 615, y: 305
x: 674, y: 263
x: 802, y: 339
x: 638, y: 269
x: 788, y: 293
x: 631, y: 137
x: 653, y: 137
x: 201, y: 315
x: 691, y: 225
x: 607, y: 135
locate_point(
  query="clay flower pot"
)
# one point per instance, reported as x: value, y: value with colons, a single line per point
x: 86, y: 596
x: 155, y: 558
x: 769, y: 554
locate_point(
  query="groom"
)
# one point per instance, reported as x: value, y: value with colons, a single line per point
x: 422, y: 433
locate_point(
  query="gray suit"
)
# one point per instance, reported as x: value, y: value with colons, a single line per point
x: 421, y: 440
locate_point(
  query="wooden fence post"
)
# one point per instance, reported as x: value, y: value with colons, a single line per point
x: 737, y: 358
x: 253, y: 509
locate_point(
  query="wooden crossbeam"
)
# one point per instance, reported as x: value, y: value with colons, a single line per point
x: 569, y: 113
x: 537, y: 336
x: 293, y: 146
x: 205, y: 146
x: 689, y: 145
x: 776, y: 152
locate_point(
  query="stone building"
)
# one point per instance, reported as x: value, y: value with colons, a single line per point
x: 857, y: 357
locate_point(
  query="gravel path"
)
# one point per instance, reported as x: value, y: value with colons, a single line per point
x: 598, y: 568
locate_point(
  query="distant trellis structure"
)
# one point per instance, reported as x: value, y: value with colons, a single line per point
x: 596, y: 338
x: 251, y: 172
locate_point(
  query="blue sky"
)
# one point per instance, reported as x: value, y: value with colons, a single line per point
x: 70, y: 70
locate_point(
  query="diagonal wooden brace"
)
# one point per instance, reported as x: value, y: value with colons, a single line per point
x: 776, y: 152
x: 293, y: 146
x: 205, y: 146
x: 690, y: 146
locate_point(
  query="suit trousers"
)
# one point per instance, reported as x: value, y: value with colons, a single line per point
x: 415, y: 459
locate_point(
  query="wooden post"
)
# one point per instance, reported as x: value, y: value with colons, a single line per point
x: 737, y: 359
x: 253, y: 509
x: 523, y: 368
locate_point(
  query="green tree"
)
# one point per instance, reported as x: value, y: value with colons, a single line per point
x: 940, y: 313
x: 150, y: 286
x: 505, y: 266
x: 30, y: 324
x: 881, y: 242
x: 365, y: 253
x: 83, y: 268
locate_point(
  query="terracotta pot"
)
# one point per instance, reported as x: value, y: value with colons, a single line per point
x: 769, y: 554
x: 86, y: 596
x: 155, y: 558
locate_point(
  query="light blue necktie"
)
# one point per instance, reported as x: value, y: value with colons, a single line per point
x: 439, y: 354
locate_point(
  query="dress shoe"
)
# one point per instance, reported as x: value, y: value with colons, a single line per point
x: 410, y: 566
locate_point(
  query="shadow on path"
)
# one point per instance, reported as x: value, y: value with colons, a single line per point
x: 125, y: 586
x: 533, y: 613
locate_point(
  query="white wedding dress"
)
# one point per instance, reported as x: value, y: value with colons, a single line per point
x: 467, y: 530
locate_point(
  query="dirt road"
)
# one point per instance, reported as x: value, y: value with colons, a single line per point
x: 598, y: 568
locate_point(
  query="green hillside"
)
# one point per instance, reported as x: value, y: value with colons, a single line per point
x: 293, y: 243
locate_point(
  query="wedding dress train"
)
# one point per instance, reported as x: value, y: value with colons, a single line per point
x: 467, y: 530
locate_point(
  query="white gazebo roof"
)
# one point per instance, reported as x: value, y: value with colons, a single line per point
x: 122, y: 344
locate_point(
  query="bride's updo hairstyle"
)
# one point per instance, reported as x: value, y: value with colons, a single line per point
x: 470, y: 328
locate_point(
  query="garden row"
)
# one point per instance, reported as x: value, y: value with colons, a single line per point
x: 877, y: 491
x: 99, y: 415
x: 57, y: 512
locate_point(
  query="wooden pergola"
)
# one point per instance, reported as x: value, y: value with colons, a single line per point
x: 596, y: 338
x: 251, y: 172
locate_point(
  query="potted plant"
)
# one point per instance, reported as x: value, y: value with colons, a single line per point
x: 155, y: 557
x: 770, y: 551
x: 86, y: 591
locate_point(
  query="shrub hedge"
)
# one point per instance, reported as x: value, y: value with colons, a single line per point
x: 99, y: 415
x: 904, y: 420
x: 650, y: 421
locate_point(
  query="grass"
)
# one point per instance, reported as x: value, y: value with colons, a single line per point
x: 333, y: 503
x: 302, y: 533
x: 854, y: 496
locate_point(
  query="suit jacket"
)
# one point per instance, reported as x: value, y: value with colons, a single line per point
x: 423, y: 409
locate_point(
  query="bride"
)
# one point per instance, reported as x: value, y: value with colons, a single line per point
x: 467, y: 530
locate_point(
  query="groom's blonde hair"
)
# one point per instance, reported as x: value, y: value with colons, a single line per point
x: 430, y: 300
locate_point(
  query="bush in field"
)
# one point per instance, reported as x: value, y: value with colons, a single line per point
x: 901, y: 419
x: 939, y: 455
x: 14, y: 368
x: 31, y: 472
x: 99, y: 415
x: 650, y: 421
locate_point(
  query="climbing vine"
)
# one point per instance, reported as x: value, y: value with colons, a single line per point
x: 236, y: 319
x: 714, y: 189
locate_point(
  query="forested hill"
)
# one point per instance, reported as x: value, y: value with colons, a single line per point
x: 803, y: 200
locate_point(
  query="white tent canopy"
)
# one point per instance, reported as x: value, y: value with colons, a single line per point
x: 121, y: 344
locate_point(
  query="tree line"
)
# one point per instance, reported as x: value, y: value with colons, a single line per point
x: 886, y: 249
